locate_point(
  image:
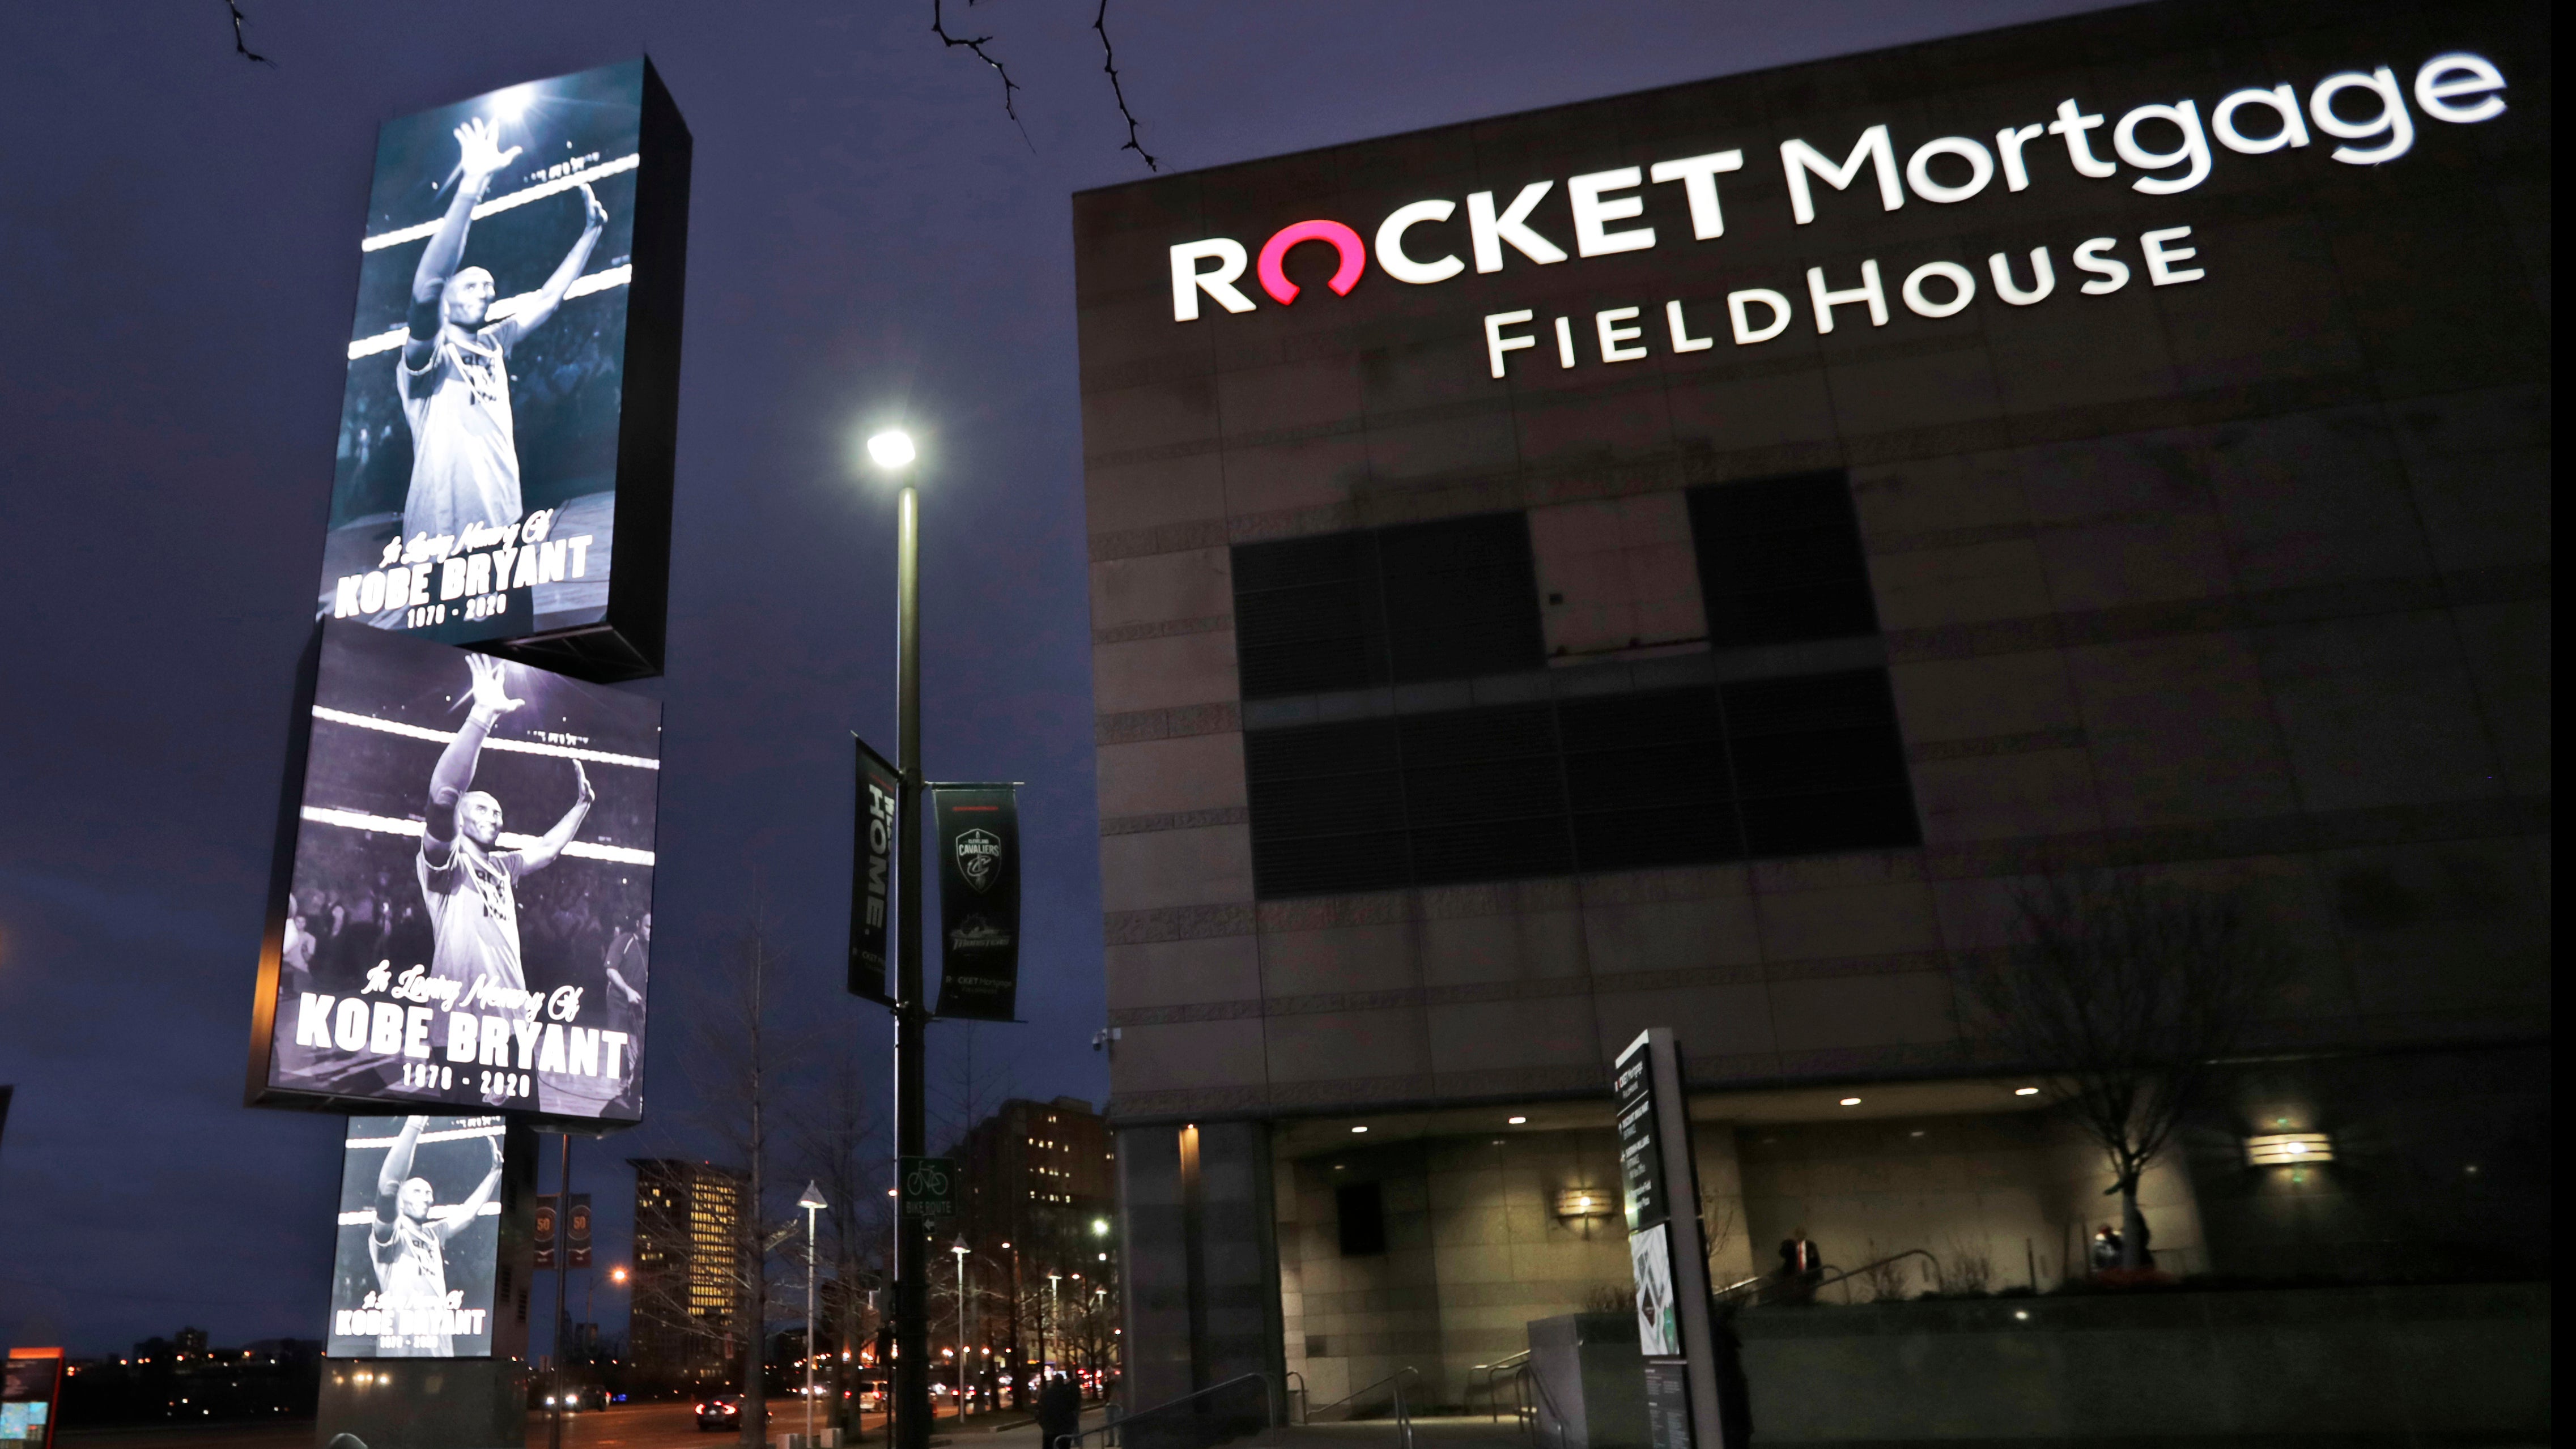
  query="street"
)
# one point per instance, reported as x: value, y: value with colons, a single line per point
x: 626, y: 1426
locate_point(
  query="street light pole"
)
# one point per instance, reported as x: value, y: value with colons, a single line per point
x: 812, y: 1202
x: 960, y: 1251
x: 562, y: 1246
x: 893, y: 452
x: 1054, y: 1317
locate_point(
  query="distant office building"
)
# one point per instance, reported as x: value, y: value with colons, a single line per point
x: 1699, y: 559
x: 689, y: 1267
x: 1031, y: 1166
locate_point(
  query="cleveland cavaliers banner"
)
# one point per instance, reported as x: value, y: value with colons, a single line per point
x: 872, y: 873
x: 979, y: 900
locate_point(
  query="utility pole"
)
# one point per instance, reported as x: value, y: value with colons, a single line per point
x: 563, y: 1300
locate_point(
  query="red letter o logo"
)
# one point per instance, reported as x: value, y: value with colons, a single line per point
x: 1345, y: 241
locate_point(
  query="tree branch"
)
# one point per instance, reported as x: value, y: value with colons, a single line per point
x: 939, y: 27
x: 239, y: 48
x: 1109, y: 63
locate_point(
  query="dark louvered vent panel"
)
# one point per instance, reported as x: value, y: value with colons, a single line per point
x: 1461, y: 598
x: 1327, y: 809
x: 1820, y: 764
x: 1423, y: 601
x: 1780, y: 560
x: 1647, y: 777
x: 1482, y: 797
x: 1620, y: 782
x: 1307, y: 618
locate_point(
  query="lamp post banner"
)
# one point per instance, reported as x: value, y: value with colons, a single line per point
x: 872, y: 867
x: 979, y: 900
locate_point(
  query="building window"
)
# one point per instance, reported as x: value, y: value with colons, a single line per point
x: 1445, y: 600
x: 1780, y: 561
x: 1359, y: 1210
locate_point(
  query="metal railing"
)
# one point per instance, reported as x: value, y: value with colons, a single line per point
x: 1537, y: 1406
x: 1217, y: 1429
x: 1403, y: 1418
x: 1770, y: 1286
x: 1487, y: 1379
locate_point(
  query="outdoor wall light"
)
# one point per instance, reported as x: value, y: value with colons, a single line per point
x: 1515, y: 1121
x: 1359, y: 1129
x: 1851, y: 1101
x: 2288, y: 1149
x: 1584, y: 1202
x: 2025, y: 1091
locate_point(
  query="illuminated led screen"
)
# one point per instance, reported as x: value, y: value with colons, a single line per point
x: 483, y: 427
x: 419, y: 1238
x: 467, y: 919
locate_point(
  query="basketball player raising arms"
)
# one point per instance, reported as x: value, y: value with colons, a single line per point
x: 409, y: 1249
x: 454, y: 377
x: 468, y: 882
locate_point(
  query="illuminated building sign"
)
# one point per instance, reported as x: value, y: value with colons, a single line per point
x: 2361, y: 118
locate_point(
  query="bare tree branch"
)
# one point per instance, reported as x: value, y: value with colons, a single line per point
x: 239, y: 48
x: 1109, y: 63
x: 939, y: 27
x: 2125, y: 995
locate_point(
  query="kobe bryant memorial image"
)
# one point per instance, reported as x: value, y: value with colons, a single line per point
x: 466, y: 920
x: 419, y: 1238
x: 504, y: 443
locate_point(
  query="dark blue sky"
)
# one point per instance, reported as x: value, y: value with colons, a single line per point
x: 870, y: 237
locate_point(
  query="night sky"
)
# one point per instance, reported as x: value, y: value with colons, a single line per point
x: 871, y: 241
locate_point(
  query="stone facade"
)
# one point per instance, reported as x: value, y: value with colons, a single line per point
x: 2243, y: 581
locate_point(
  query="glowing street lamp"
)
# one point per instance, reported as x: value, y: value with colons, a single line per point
x: 960, y: 1250
x: 892, y: 452
x: 812, y: 1202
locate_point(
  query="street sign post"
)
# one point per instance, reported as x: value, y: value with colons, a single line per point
x: 929, y: 1188
x: 1661, y: 1181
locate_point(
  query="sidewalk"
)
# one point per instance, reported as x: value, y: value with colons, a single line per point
x: 1004, y: 1430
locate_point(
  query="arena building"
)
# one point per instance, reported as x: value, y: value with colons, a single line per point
x: 1697, y: 558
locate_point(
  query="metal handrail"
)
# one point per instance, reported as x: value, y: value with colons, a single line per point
x: 1292, y: 1401
x: 1490, y: 1376
x: 1827, y: 1275
x: 1115, y: 1420
x: 1553, y: 1414
x: 1845, y: 1275
x: 1756, y: 1281
x: 1403, y: 1418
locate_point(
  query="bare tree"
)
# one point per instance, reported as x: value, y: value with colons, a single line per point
x: 837, y: 1142
x: 974, y: 46
x: 973, y: 1088
x: 2124, y: 994
x: 742, y: 1060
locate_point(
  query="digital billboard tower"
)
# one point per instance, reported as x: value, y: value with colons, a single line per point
x: 460, y: 910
